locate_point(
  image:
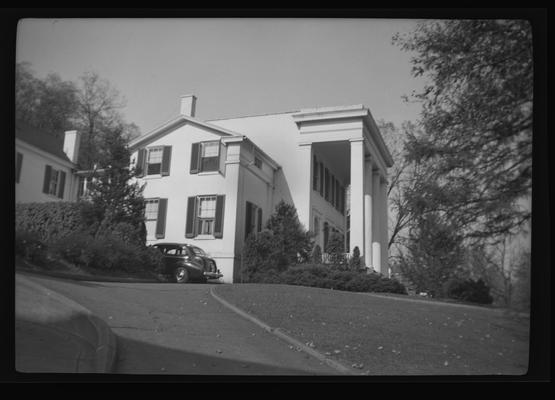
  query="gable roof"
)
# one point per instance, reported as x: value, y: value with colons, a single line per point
x: 41, y: 139
x: 175, y: 123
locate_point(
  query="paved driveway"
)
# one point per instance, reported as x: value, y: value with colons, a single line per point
x: 182, y: 329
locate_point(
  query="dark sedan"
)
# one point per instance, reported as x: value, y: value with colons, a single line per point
x: 186, y: 263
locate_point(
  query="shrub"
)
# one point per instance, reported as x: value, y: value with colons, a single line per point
x: 336, y: 249
x: 29, y: 246
x: 468, y: 290
x: 355, y: 263
x: 325, y: 276
x: 108, y: 253
x: 316, y: 256
x: 50, y: 221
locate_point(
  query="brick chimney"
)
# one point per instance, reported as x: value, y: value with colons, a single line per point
x: 188, y: 104
x: 72, y: 141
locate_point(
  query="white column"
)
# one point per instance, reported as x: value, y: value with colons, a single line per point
x: 384, y: 226
x: 377, y: 214
x: 305, y: 189
x: 368, y: 213
x: 357, y: 196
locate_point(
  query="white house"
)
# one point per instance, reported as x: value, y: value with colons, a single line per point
x: 212, y: 183
x: 45, y: 166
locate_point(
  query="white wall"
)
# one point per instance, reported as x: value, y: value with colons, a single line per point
x: 31, y: 179
x: 238, y: 184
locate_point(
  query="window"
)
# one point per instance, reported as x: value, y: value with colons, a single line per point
x: 206, y: 215
x: 154, y: 161
x: 151, y: 216
x: 316, y: 227
x: 209, y: 156
x: 54, y: 182
x: 257, y: 162
x: 253, y: 219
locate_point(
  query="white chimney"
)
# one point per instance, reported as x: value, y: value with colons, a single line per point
x: 72, y: 141
x: 188, y: 104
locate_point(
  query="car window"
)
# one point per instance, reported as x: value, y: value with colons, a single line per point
x: 197, y: 251
x: 174, y: 252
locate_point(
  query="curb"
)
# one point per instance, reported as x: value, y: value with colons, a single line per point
x: 90, y: 328
x: 277, y: 332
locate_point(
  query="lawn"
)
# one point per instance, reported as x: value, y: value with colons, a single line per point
x: 379, y: 335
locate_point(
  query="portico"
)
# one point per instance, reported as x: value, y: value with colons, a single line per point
x: 361, y: 161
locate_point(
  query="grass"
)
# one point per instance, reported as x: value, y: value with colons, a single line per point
x: 381, y: 335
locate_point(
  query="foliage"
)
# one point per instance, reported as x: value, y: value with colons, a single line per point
x: 108, y: 253
x: 316, y: 256
x: 259, y: 256
x: 29, y: 246
x: 355, y: 263
x: 476, y: 141
x: 49, y: 221
x: 433, y: 254
x: 49, y: 104
x: 325, y: 276
x: 336, y: 249
x: 468, y: 290
x: 292, y: 241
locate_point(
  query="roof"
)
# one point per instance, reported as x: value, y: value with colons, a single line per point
x: 41, y: 139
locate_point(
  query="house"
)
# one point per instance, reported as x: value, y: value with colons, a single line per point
x: 212, y: 183
x: 45, y: 166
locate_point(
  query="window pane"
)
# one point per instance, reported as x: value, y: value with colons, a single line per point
x: 155, y: 155
x: 154, y: 169
x: 207, y: 207
x: 210, y: 164
x: 210, y: 149
x: 151, y: 210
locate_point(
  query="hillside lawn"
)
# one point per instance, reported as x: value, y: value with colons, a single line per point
x: 391, y: 334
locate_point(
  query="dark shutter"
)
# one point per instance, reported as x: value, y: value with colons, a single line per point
x: 259, y: 228
x: 161, y: 219
x: 190, y: 223
x: 337, y: 195
x: 315, y: 174
x: 46, y: 184
x: 222, y: 158
x: 219, y: 223
x: 248, y: 219
x: 18, y: 161
x: 166, y: 160
x: 332, y: 194
x: 140, y: 166
x: 62, y: 184
x: 321, y: 179
x: 195, y: 158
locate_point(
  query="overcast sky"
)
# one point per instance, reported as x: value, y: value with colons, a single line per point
x: 235, y: 67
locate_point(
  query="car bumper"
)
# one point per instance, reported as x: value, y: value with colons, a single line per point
x: 213, y: 275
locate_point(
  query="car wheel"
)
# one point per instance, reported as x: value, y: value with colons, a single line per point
x: 181, y: 275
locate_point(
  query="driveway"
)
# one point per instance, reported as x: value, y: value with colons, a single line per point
x: 181, y: 329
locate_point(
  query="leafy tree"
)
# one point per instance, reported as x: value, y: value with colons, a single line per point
x: 476, y: 139
x: 316, y: 256
x: 117, y: 201
x: 258, y: 256
x: 355, y: 263
x: 49, y: 104
x: 293, y: 242
x: 433, y: 254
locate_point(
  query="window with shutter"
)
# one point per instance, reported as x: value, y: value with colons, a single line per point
x: 166, y: 160
x: 209, y: 156
x: 161, y: 220
x: 154, y: 160
x: 151, y: 217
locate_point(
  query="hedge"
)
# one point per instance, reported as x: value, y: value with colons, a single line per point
x: 329, y: 277
x: 50, y: 221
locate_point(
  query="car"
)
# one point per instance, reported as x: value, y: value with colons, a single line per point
x: 184, y: 263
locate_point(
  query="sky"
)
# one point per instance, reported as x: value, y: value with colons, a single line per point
x: 235, y: 67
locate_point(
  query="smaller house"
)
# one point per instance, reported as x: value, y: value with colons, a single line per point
x: 45, y: 166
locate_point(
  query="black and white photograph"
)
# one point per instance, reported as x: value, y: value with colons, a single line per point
x: 291, y: 196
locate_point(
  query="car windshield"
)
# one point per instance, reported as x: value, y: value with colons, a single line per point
x: 198, y: 251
